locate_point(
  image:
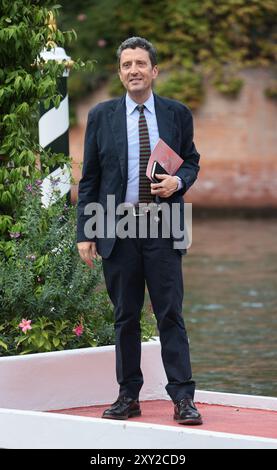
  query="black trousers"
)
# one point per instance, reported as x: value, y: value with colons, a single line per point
x: 133, y: 262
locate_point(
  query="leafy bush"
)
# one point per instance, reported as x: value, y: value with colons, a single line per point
x: 45, y: 288
x: 23, y: 35
x: 44, y: 280
x: 44, y: 335
x: 44, y: 273
x: 25, y: 82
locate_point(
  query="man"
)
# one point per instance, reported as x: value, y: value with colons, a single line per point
x: 119, y: 138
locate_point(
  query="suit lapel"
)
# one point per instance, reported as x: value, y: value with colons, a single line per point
x: 119, y: 128
x: 165, y: 120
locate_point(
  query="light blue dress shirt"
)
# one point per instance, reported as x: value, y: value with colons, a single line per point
x: 132, y: 114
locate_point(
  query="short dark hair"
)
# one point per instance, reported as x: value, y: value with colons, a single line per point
x: 136, y: 41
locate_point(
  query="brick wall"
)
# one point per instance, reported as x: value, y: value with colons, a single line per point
x: 237, y: 140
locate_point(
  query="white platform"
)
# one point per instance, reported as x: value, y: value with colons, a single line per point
x: 35, y: 383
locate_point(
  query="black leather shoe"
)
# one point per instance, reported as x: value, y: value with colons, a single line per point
x: 123, y: 408
x: 185, y: 412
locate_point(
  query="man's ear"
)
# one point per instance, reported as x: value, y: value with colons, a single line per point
x: 155, y: 72
x: 119, y: 74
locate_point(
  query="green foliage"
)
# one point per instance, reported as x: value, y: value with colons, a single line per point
x: 45, y: 281
x: 44, y: 274
x: 199, y: 36
x: 47, y: 335
x: 230, y: 87
x: 271, y: 91
x: 115, y: 86
x: 42, y: 278
x: 24, y: 82
x: 185, y: 86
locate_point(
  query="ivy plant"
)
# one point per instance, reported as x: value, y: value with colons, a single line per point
x: 213, y: 38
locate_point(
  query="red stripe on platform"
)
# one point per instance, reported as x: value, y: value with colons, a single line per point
x: 229, y: 419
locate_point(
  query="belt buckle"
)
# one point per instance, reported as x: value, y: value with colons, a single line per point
x: 143, y: 210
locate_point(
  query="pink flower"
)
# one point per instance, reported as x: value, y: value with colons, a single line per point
x: 15, y: 234
x: 25, y: 325
x: 78, y: 330
x: 81, y: 17
x: 101, y: 42
x: 31, y: 257
x: 29, y: 188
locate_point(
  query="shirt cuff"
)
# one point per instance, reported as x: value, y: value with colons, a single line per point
x: 180, y: 183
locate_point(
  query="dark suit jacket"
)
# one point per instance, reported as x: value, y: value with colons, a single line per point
x: 105, y: 166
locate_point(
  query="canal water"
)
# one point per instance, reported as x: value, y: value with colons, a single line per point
x: 230, y: 304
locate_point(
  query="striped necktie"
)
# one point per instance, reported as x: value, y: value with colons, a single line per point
x: 144, y: 154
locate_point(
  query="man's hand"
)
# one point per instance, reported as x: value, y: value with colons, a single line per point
x: 167, y: 186
x: 87, y: 251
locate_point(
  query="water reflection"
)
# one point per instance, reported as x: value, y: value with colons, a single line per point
x: 230, y: 305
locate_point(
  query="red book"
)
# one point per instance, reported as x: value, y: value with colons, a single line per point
x: 166, y: 157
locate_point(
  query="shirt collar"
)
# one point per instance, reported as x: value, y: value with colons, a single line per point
x: 131, y: 104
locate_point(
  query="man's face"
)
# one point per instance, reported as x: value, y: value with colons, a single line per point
x: 136, y: 72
